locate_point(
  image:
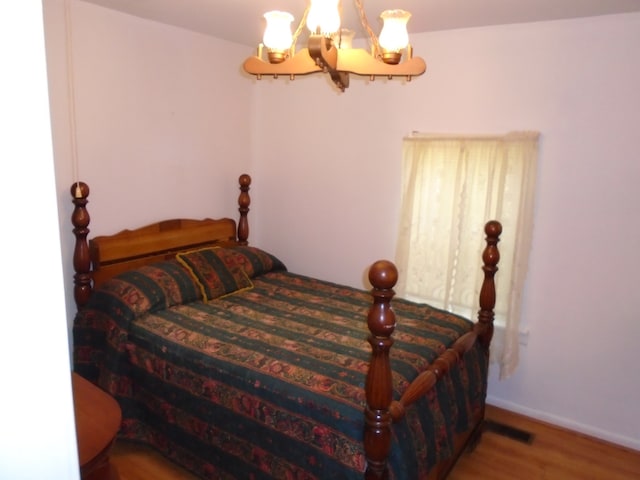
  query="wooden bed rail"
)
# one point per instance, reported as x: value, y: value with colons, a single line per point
x: 152, y: 243
x: 381, y: 410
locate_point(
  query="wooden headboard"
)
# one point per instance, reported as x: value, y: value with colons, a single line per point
x: 102, y: 257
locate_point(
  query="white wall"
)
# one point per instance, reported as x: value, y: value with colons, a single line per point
x: 37, y: 439
x: 161, y: 119
x: 328, y: 169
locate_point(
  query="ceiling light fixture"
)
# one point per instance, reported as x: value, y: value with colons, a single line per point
x: 329, y: 46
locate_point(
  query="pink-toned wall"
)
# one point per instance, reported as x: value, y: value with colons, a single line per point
x: 154, y: 103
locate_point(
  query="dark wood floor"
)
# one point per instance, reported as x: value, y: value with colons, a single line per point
x: 553, y: 454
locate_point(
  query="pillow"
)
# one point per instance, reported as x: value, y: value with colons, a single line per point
x: 251, y: 259
x: 150, y: 288
x: 215, y: 278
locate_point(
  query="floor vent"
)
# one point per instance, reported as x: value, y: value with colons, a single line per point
x: 507, y: 431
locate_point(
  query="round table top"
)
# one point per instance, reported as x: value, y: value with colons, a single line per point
x: 98, y: 418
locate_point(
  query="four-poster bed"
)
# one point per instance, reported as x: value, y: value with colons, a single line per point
x: 234, y: 367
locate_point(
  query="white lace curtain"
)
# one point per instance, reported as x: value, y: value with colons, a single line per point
x: 451, y: 186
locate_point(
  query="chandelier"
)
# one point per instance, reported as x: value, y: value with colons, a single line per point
x: 329, y: 47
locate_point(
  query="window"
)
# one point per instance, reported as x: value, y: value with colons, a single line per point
x: 451, y: 187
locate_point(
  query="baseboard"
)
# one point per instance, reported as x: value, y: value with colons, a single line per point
x: 562, y: 422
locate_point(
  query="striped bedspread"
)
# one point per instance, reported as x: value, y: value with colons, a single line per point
x: 268, y: 381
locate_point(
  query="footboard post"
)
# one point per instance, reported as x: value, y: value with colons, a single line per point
x: 381, y: 321
x: 490, y: 258
x: 243, y: 203
x: 81, y: 259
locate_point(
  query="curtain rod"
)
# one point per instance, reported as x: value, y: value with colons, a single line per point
x: 416, y: 135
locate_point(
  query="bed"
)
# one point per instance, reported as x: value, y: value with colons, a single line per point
x: 235, y: 368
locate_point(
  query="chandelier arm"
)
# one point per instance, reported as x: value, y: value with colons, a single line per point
x: 341, y: 79
x: 365, y: 24
x: 325, y: 54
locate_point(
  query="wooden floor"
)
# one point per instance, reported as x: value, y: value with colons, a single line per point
x: 554, y: 454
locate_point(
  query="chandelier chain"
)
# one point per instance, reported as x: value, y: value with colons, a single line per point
x: 301, y: 25
x: 365, y: 24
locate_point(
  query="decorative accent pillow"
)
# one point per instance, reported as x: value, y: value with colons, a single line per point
x: 216, y: 279
x: 251, y: 259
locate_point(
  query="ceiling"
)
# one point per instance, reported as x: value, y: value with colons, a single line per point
x: 241, y: 21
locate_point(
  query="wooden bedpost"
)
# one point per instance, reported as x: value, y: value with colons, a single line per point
x: 490, y: 258
x: 243, y: 203
x: 81, y: 259
x: 381, y: 320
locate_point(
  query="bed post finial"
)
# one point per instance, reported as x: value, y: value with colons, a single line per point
x: 490, y: 258
x: 243, y: 203
x: 81, y: 258
x: 381, y: 321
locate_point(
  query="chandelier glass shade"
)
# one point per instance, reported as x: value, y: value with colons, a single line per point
x: 277, y: 35
x: 329, y: 46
